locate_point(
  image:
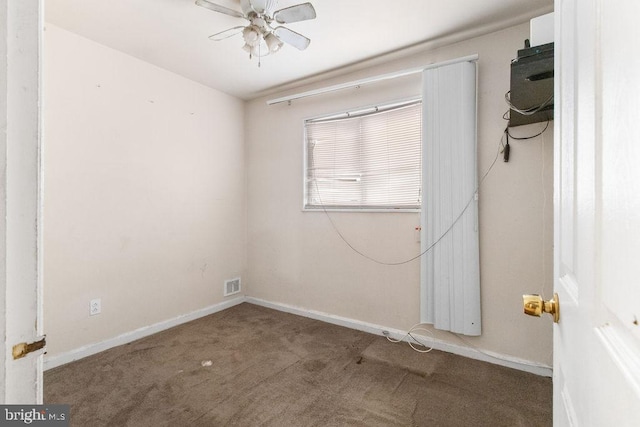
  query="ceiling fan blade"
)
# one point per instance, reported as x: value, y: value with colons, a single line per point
x: 291, y: 37
x: 226, y: 33
x: 218, y: 8
x: 301, y: 12
x: 257, y: 6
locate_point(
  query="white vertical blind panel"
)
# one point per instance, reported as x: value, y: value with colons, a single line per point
x: 450, y: 271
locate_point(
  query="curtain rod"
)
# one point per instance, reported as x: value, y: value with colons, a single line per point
x: 369, y: 80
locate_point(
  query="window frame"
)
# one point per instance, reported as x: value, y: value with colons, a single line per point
x: 305, y: 161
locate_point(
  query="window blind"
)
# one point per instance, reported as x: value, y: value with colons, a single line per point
x: 450, y: 271
x: 368, y: 159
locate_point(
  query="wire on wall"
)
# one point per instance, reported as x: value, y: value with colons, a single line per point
x: 506, y: 148
x: 413, y: 341
x: 527, y: 111
x: 503, y: 148
x: 523, y: 138
x: 410, y: 337
x: 429, y: 247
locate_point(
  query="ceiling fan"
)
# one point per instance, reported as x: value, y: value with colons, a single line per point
x: 263, y: 35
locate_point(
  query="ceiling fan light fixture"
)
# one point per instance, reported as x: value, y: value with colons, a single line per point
x: 251, y: 35
x: 273, y: 42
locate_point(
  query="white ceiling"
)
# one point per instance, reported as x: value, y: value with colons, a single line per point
x: 173, y: 34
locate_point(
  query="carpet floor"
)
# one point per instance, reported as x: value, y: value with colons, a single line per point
x: 252, y: 366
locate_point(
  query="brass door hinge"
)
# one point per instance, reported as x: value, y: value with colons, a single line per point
x: 22, y: 349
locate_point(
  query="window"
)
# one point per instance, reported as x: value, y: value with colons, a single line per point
x: 368, y: 159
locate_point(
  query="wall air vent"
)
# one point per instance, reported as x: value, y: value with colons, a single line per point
x: 232, y: 286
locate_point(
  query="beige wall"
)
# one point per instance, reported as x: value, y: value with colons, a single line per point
x: 296, y: 258
x: 144, y: 192
x: 145, y: 202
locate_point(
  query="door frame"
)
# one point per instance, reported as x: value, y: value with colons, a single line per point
x: 20, y: 198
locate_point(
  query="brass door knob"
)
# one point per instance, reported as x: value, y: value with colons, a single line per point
x: 534, y: 305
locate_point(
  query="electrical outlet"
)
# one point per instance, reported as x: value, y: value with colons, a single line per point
x: 95, y: 307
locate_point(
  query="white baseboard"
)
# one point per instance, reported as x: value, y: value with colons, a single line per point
x: 51, y: 362
x: 470, y: 352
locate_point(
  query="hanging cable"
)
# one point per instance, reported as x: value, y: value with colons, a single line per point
x: 506, y: 148
x: 455, y: 221
x: 409, y: 334
x: 527, y: 111
x: 523, y: 138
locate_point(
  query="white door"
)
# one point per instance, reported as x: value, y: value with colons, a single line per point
x: 597, y: 213
x: 20, y: 225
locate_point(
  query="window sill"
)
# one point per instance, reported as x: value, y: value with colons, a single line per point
x: 361, y: 210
